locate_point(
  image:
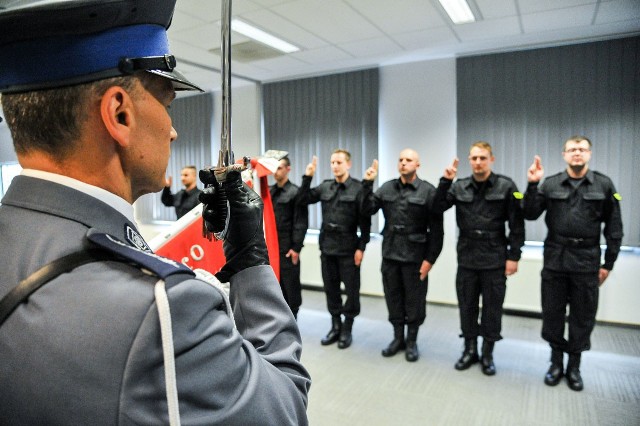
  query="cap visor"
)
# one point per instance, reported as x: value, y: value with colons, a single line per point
x: 179, y: 81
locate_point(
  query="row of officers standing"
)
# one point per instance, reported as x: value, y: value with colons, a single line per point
x: 577, y: 200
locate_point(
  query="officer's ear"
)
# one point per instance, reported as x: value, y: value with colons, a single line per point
x: 116, y: 111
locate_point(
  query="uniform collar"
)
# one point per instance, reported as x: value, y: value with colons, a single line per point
x: 119, y: 204
x: 414, y: 184
x: 589, y: 177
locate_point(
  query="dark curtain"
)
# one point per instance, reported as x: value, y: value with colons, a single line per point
x: 315, y: 116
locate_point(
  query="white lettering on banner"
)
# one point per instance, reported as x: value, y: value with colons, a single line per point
x: 196, y: 252
x: 200, y: 252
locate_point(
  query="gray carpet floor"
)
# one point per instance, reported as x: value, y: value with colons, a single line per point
x: 357, y: 386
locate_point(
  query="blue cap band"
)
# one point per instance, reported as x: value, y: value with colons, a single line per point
x: 69, y: 57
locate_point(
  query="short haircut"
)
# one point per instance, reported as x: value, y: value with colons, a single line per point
x: 346, y: 153
x: 482, y: 145
x: 191, y: 168
x: 286, y: 160
x: 577, y: 139
x: 50, y: 121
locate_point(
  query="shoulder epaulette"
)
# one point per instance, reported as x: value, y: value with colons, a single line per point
x: 158, y: 265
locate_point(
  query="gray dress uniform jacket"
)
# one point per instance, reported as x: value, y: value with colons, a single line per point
x: 86, y: 348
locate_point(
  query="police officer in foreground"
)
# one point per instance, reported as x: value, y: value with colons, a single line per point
x: 484, y: 202
x: 341, y: 248
x: 578, y: 201
x: 116, y: 334
x: 292, y: 221
x: 413, y: 236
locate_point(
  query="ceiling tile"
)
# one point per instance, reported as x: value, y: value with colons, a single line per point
x: 533, y: 6
x: 487, y: 29
x: 398, y: 16
x: 618, y: 10
x: 492, y: 9
x: 551, y: 20
x: 372, y: 47
x: 331, y: 20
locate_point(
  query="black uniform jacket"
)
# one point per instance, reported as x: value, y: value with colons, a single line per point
x: 292, y: 217
x: 481, y: 212
x: 183, y: 200
x: 412, y: 231
x: 574, y: 220
x: 342, y: 214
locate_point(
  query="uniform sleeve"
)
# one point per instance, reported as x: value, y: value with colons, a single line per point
x: 534, y: 201
x: 307, y: 195
x: 612, y: 228
x: 436, y: 234
x: 167, y: 197
x: 371, y: 200
x: 300, y: 223
x: 224, y: 376
x: 364, y: 219
x: 516, y: 225
x: 444, y: 199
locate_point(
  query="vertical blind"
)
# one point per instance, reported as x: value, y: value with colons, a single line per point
x: 192, y: 118
x: 315, y: 116
x: 530, y: 102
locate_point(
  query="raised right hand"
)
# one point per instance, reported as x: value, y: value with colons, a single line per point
x: 451, y: 171
x: 311, y: 167
x: 536, y: 171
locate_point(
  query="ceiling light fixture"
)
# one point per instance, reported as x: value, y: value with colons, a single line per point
x: 458, y: 11
x: 262, y: 37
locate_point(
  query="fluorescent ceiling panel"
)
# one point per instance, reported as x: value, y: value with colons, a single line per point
x: 458, y: 11
x: 262, y: 37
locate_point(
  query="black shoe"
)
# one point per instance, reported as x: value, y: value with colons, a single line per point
x: 469, y: 356
x: 574, y: 380
x: 334, y: 333
x: 488, y: 367
x: 393, y: 348
x: 345, y: 339
x: 412, y: 354
x: 554, y: 375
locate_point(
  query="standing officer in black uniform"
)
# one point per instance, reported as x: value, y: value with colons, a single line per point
x: 578, y: 201
x: 484, y: 202
x: 413, y: 236
x: 185, y: 199
x: 292, y: 221
x: 341, y: 247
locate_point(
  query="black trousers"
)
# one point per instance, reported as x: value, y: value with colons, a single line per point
x: 580, y: 292
x: 404, y: 293
x: 337, y: 269
x: 290, y: 282
x: 470, y: 285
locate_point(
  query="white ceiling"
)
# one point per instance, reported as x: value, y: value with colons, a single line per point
x: 343, y: 35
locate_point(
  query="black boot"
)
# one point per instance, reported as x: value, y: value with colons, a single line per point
x: 397, y: 343
x: 573, y: 372
x: 555, y: 372
x: 412, y: 353
x: 345, y: 334
x: 488, y: 366
x: 334, y: 333
x: 469, y: 356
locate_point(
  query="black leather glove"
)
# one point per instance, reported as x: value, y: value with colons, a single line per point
x: 244, y: 245
x: 214, y: 211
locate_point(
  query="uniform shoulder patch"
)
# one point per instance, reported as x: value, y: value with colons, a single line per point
x: 160, y: 266
x: 518, y: 195
x: 617, y: 196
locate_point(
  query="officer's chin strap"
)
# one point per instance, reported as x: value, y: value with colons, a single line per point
x: 164, y: 313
